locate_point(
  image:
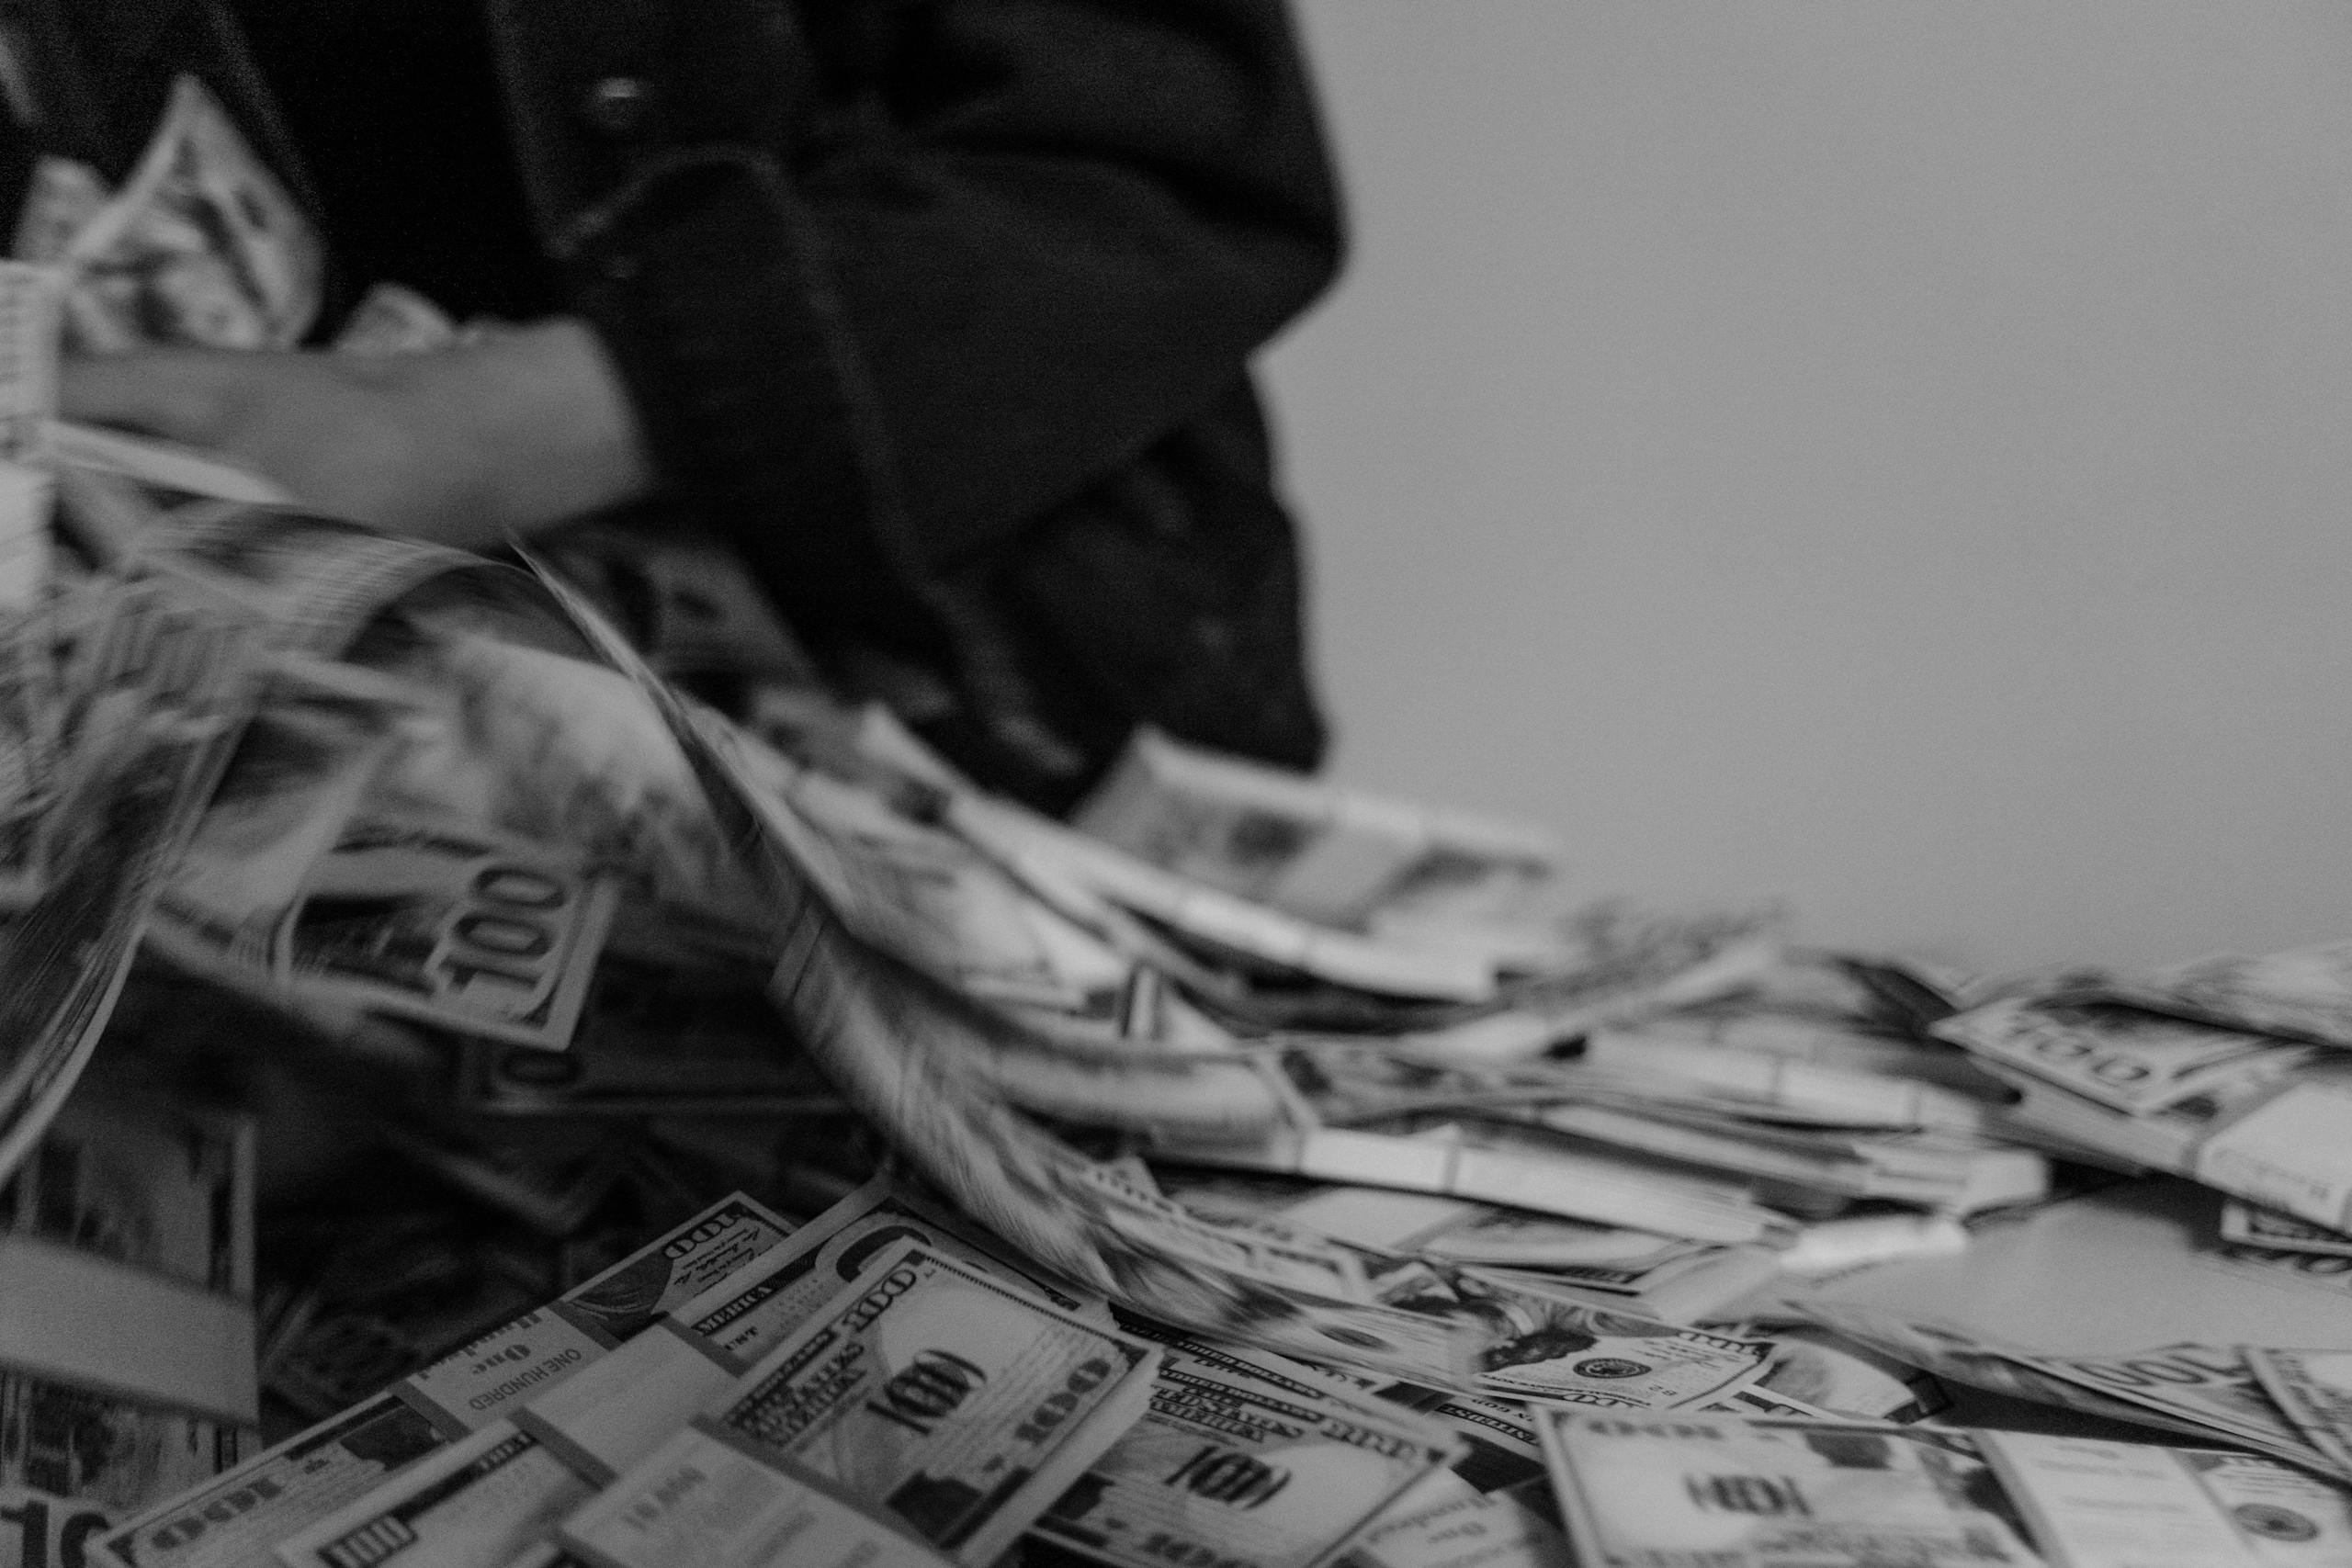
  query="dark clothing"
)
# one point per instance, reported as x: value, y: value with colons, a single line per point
x: 937, y: 310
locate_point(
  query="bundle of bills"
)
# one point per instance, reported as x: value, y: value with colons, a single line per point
x: 1745, y: 1494
x: 127, y: 1353
x: 2238, y: 1106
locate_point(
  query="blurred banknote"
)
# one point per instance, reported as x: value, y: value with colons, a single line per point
x: 2314, y: 1389
x: 653, y: 1041
x: 2122, y: 1058
x: 2244, y: 1224
x: 28, y: 762
x: 202, y: 245
x: 162, y: 693
x: 104, y: 1451
x: 2304, y: 993
x: 233, y: 1521
x: 313, y: 581
x: 475, y: 933
x: 1326, y: 854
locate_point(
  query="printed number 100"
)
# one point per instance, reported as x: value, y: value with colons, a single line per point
x: 505, y: 932
x: 47, y: 1541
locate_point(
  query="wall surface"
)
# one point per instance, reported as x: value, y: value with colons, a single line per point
x: 1892, y: 455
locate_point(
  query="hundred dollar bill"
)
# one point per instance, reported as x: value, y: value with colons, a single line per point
x: 2290, y: 1518
x: 160, y: 1188
x: 2286, y: 1151
x: 45, y: 1529
x: 2212, y: 1386
x: 102, y: 1452
x: 594, y: 1425
x: 1691, y: 1488
x: 718, y: 1499
x: 314, y: 580
x: 2314, y: 1389
x: 1950, y: 1351
x: 2132, y: 1061
x: 1445, y: 1522
x: 290, y: 789
x: 1247, y: 1456
x: 164, y: 691
x: 960, y: 1407
x: 476, y: 933
x: 2304, y: 993
x: 2244, y: 1224
x: 749, y: 1313
x: 1559, y: 1349
x: 476, y: 1504
x: 2094, y: 1503
x: 234, y: 1521
x: 202, y: 245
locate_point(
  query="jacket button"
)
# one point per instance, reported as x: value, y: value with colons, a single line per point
x: 617, y: 105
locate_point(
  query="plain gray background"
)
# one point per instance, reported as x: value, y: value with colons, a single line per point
x: 1893, y: 455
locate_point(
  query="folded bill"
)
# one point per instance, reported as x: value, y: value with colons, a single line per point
x: 161, y: 690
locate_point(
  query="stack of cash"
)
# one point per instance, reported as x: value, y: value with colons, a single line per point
x: 1735, y: 1493
x: 464, y: 1101
x: 2230, y: 1070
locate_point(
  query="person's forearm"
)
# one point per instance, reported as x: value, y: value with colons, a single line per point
x: 523, y: 427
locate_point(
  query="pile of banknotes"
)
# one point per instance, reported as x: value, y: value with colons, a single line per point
x: 464, y: 1101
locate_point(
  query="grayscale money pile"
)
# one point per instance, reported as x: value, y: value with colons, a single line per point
x: 464, y: 1103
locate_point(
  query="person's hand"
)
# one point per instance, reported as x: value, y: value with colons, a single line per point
x: 519, y: 428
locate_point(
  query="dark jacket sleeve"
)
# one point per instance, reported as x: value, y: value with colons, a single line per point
x: 1007, y: 242
x: 889, y: 283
